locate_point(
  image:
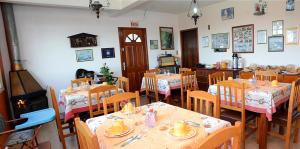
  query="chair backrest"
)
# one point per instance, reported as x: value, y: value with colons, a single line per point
x: 150, y: 82
x: 56, y: 109
x: 216, y: 77
x: 116, y: 99
x: 209, y: 105
x: 232, y: 95
x: 77, y: 82
x: 188, y: 81
x: 224, y: 137
x: 294, y: 102
x: 182, y: 70
x: 157, y: 71
x: 100, y: 92
x: 123, y: 83
x: 266, y: 75
x: 86, y: 139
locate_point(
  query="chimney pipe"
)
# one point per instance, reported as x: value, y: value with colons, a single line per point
x: 11, y: 36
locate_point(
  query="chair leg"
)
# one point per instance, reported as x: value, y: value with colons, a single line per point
x: 287, y: 139
x: 257, y: 131
x: 296, y: 137
x: 182, y: 100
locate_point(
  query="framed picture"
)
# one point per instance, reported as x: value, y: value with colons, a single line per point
x: 243, y: 39
x: 166, y: 38
x: 227, y: 13
x: 84, y: 55
x: 220, y: 42
x: 290, y: 5
x: 292, y: 36
x: 277, y: 27
x: 153, y: 44
x: 83, y: 40
x: 108, y: 52
x: 262, y: 37
x: 276, y: 44
x: 205, y: 41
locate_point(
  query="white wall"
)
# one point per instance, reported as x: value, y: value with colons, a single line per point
x: 243, y: 15
x: 44, y: 45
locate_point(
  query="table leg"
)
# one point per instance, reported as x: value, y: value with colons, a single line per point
x: 263, y: 131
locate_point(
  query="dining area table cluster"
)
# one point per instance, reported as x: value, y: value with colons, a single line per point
x: 225, y: 115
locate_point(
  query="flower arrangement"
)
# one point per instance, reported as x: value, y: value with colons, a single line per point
x: 107, y: 75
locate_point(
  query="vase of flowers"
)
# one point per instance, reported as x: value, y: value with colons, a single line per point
x: 107, y: 75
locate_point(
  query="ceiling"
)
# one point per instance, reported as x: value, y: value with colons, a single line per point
x: 173, y: 6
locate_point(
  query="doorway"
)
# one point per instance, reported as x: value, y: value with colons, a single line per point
x: 134, y: 55
x: 189, y: 48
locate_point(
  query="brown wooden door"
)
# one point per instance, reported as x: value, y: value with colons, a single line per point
x: 189, y: 47
x: 134, y: 55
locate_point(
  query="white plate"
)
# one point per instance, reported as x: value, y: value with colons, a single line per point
x: 191, y: 134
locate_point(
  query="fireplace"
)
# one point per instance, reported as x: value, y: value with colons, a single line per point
x: 26, y: 93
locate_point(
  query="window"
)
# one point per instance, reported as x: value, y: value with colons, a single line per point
x: 133, y: 38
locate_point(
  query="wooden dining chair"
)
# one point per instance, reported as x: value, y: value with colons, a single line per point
x: 216, y: 77
x: 156, y: 71
x: 182, y: 70
x: 223, y: 138
x: 100, y: 92
x: 77, y: 82
x: 289, y: 118
x: 208, y: 103
x: 188, y: 82
x: 116, y: 99
x: 231, y: 95
x: 266, y: 75
x: 123, y: 83
x: 151, y: 87
x: 60, y: 122
x: 86, y: 139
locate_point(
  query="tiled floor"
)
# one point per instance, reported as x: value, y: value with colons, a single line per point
x: 49, y: 133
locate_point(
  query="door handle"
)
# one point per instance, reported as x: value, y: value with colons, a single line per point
x: 124, y: 66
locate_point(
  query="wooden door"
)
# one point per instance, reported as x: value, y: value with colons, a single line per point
x: 189, y: 48
x: 134, y: 55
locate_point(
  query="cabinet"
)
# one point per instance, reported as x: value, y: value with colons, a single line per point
x: 281, y: 77
x: 202, y: 75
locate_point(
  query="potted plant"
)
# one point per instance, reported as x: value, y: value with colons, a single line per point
x: 107, y: 75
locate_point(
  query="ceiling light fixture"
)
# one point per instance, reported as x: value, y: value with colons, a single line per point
x: 97, y: 6
x: 194, y: 11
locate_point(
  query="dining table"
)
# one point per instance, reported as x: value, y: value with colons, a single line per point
x: 77, y: 101
x: 166, y: 83
x: 263, y: 98
x: 155, y: 136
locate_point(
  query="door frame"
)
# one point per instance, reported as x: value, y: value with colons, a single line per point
x: 181, y: 41
x: 121, y: 44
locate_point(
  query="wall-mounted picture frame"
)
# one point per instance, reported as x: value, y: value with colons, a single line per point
x: 262, y: 36
x: 83, y: 40
x: 154, y: 44
x: 166, y: 38
x: 205, y: 42
x: 108, y: 52
x: 84, y: 55
x: 290, y: 5
x: 292, y: 36
x: 220, y: 42
x: 227, y: 13
x: 276, y: 44
x: 277, y: 27
x: 243, y: 39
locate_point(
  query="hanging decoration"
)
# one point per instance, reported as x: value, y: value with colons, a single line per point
x: 194, y: 11
x: 97, y: 6
x: 260, y: 8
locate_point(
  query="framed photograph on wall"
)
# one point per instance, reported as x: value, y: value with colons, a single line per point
x: 205, y: 41
x: 227, y: 13
x: 277, y: 27
x: 220, y: 42
x: 292, y: 36
x: 290, y: 5
x: 84, y: 55
x: 276, y: 44
x: 153, y: 44
x: 166, y: 38
x: 108, y: 52
x: 262, y: 37
x: 243, y: 39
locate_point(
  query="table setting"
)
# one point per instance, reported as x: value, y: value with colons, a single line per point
x: 156, y: 125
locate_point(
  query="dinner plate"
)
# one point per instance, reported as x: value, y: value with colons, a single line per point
x: 192, y: 132
x: 109, y: 134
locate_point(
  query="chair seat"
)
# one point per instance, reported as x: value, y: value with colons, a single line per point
x: 282, y: 117
x: 233, y: 116
x: 20, y: 137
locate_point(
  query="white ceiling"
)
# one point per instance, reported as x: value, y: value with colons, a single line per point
x: 173, y: 6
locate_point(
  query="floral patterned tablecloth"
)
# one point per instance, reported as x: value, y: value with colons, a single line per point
x: 77, y: 101
x: 166, y: 83
x: 156, y: 137
x: 261, y: 97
